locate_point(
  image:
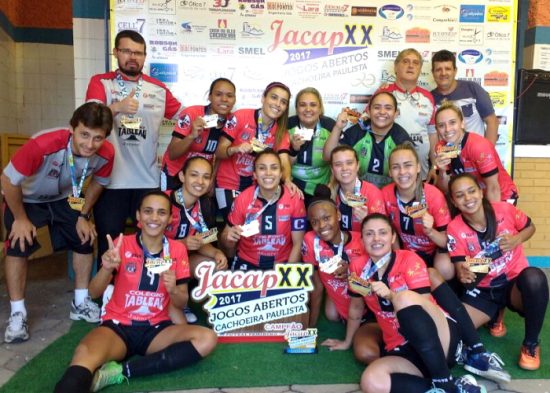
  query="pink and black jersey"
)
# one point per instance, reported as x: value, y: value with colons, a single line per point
x: 337, y: 288
x: 464, y: 241
x: 405, y: 271
x: 139, y: 297
x: 375, y: 204
x: 274, y: 242
x: 479, y: 158
x: 180, y: 226
x: 411, y: 230
x: 136, y: 148
x: 42, y: 169
x: 204, y: 146
x: 235, y: 173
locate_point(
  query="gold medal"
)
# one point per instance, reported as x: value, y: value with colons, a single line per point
x: 479, y: 265
x: 132, y: 122
x: 158, y: 265
x: 359, y: 285
x: 417, y: 210
x: 209, y: 236
x: 76, y: 203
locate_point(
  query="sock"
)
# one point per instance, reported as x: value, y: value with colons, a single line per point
x: 533, y: 287
x: 171, y: 358
x: 446, y: 298
x: 77, y: 379
x: 408, y: 383
x: 79, y: 296
x: 18, y: 306
x: 416, y: 325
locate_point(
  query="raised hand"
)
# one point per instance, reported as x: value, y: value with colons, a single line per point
x: 111, y: 258
x: 129, y: 104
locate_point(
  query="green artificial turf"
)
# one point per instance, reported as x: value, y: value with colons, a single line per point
x: 258, y: 364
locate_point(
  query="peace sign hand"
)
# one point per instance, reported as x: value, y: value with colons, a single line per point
x: 111, y: 258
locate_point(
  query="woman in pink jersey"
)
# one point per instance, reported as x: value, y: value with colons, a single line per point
x: 459, y: 151
x: 151, y: 272
x: 193, y: 135
x: 248, y: 132
x: 418, y: 210
x: 396, y: 287
x: 355, y: 198
x: 485, y: 243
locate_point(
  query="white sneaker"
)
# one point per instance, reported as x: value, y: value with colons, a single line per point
x: 87, y: 311
x: 17, y: 330
x: 189, y: 315
x: 107, y: 295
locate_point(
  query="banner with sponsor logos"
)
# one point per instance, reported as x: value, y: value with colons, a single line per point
x: 344, y: 48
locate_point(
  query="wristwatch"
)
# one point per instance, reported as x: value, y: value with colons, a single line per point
x: 85, y: 216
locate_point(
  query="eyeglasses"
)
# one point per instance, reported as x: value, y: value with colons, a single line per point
x: 415, y: 63
x: 128, y: 52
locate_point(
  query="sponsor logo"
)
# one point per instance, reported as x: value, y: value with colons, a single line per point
x: 251, y: 51
x: 417, y: 34
x: 498, y: 14
x: 363, y: 11
x: 470, y: 35
x: 222, y: 32
x: 135, y: 25
x: 498, y: 36
x: 391, y: 12
x: 308, y: 8
x: 162, y: 49
x: 280, y: 7
x: 470, y: 56
x: 472, y: 13
x: 391, y: 34
x: 162, y: 6
x: 192, y: 5
x: 499, y: 98
x: 251, y: 30
x: 336, y: 10
x: 222, y: 50
x: 495, y: 78
x: 360, y: 98
x: 335, y: 98
x: 163, y: 22
x: 163, y: 32
x: 129, y: 4
x: 449, y: 35
x: 166, y: 73
x: 222, y: 6
x: 188, y: 27
x: 251, y: 7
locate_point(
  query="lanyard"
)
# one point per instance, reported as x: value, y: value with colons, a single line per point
x: 317, y: 247
x: 124, y: 88
x: 77, y: 189
x: 263, y: 134
x: 253, y: 217
x: 401, y: 204
x: 165, y: 249
x: 356, y: 190
x: 368, y: 273
x: 199, y: 226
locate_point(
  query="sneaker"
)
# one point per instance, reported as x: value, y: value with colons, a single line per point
x: 435, y: 390
x: 461, y: 353
x: 87, y: 311
x: 109, y: 374
x: 498, y: 328
x: 189, y: 315
x: 487, y: 365
x: 529, y: 357
x: 107, y: 295
x: 17, y: 330
x: 468, y: 384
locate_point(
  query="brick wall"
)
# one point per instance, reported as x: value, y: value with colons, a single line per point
x: 532, y: 176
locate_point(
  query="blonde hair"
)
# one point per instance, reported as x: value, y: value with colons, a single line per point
x: 406, y: 52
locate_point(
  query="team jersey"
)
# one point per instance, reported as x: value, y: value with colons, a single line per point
x: 417, y: 117
x: 310, y: 169
x: 473, y: 101
x: 274, y: 242
x: 204, y: 145
x: 180, y: 226
x: 235, y: 173
x: 136, y: 149
x: 411, y: 230
x: 337, y: 288
x: 42, y: 169
x: 140, y: 297
x: 406, y: 271
x: 464, y: 241
x: 375, y: 204
x: 374, y: 156
x: 479, y: 157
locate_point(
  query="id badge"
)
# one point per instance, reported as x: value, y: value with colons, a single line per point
x: 76, y: 203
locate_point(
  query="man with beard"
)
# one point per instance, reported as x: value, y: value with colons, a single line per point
x: 139, y: 103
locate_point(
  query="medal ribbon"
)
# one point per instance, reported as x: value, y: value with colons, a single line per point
x: 199, y: 226
x: 165, y: 249
x: 263, y: 134
x: 317, y: 247
x: 124, y: 88
x: 255, y: 216
x: 77, y: 189
x: 368, y: 273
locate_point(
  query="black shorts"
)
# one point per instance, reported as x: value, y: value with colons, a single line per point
x: 490, y: 300
x: 136, y: 338
x: 406, y: 351
x: 239, y: 264
x: 61, y: 221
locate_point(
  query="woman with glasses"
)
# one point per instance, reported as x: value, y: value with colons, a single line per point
x: 197, y: 131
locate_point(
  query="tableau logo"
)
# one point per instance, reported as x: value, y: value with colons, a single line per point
x: 356, y: 35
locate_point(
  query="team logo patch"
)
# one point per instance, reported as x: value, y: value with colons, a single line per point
x: 184, y: 122
x: 451, y: 243
x: 245, y: 136
x: 131, y: 267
